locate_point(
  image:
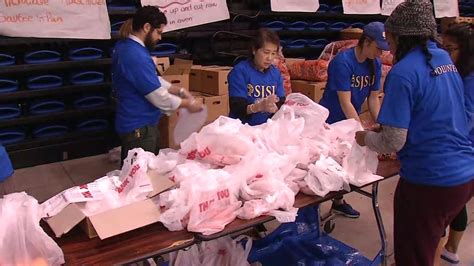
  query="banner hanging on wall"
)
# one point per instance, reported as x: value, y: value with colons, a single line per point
x: 81, y: 19
x: 187, y: 13
x: 361, y: 6
x: 295, y: 5
x: 446, y: 8
x: 389, y: 5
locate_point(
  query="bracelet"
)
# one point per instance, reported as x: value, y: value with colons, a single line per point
x: 181, y: 92
x: 251, y: 109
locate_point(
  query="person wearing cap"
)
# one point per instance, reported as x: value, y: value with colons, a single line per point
x: 142, y: 96
x: 423, y: 119
x: 353, y: 76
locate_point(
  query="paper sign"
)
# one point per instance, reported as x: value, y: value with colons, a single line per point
x: 446, y: 8
x: 389, y: 5
x: 82, y: 19
x: 361, y: 6
x: 295, y: 5
x: 187, y: 13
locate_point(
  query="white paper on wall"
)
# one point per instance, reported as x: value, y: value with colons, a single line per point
x: 187, y: 13
x: 295, y: 5
x: 361, y: 6
x: 389, y: 5
x: 446, y: 8
x: 81, y: 19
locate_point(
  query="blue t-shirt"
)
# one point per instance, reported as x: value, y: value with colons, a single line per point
x: 133, y: 77
x: 437, y: 150
x: 6, y: 168
x: 345, y: 73
x: 469, y: 103
x: 245, y: 81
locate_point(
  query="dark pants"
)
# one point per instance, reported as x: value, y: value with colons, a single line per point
x: 145, y: 138
x: 460, y: 221
x: 421, y: 214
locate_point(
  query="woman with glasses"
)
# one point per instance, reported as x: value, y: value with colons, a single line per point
x: 458, y: 40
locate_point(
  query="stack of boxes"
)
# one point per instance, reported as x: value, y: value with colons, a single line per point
x: 208, y: 84
x: 314, y: 90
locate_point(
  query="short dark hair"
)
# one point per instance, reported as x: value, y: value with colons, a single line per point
x: 463, y: 35
x: 265, y: 36
x: 148, y: 14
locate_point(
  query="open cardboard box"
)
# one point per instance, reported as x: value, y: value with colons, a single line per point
x: 114, y: 221
x: 177, y: 73
x: 216, y: 105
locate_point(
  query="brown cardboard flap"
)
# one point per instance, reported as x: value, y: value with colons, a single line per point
x: 163, y: 63
x: 126, y: 218
x: 65, y: 220
x: 159, y: 182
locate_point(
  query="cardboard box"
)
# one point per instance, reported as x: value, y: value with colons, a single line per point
x: 115, y: 221
x: 314, y: 90
x: 446, y: 22
x: 177, y: 73
x: 216, y: 105
x: 166, y: 136
x: 195, y: 78
x: 214, y: 80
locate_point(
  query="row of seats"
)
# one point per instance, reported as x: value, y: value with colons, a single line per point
x: 49, y: 106
x: 50, y: 81
x: 15, y: 135
x: 278, y: 25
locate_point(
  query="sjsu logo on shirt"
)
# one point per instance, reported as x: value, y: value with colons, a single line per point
x: 361, y: 82
x: 260, y: 91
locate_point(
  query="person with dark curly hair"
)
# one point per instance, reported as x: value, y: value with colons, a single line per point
x: 458, y: 40
x: 423, y: 119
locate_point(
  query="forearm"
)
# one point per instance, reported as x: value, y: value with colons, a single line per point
x: 374, y: 107
x: 164, y: 100
x: 350, y: 111
x: 390, y: 139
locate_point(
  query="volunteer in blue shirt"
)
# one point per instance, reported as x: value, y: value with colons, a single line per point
x: 423, y: 119
x: 256, y: 85
x: 354, y: 76
x: 458, y: 40
x: 6, y: 168
x: 142, y: 96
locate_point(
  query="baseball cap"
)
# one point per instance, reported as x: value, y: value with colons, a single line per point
x: 376, y: 31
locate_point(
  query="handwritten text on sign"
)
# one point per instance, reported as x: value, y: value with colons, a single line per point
x: 446, y: 8
x: 84, y: 19
x: 294, y: 5
x: 389, y: 5
x: 187, y: 13
x: 361, y: 6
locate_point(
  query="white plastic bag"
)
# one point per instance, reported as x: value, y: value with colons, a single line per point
x: 326, y: 175
x: 23, y: 240
x: 223, y: 251
x: 222, y: 142
x: 361, y: 166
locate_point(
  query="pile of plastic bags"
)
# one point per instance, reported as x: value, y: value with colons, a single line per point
x: 230, y: 170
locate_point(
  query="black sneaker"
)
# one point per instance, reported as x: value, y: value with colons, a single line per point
x: 345, y: 209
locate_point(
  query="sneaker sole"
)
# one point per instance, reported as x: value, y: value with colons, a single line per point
x: 345, y: 214
x: 449, y: 260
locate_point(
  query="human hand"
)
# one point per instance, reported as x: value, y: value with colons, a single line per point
x: 194, y: 106
x: 267, y: 104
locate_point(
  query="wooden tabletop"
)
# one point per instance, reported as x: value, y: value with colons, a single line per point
x: 154, y: 240
x: 149, y: 241
x: 386, y: 169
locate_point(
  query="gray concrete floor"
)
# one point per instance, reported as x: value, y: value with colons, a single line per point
x: 44, y: 181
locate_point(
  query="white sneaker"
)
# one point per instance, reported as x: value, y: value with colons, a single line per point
x: 449, y: 257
